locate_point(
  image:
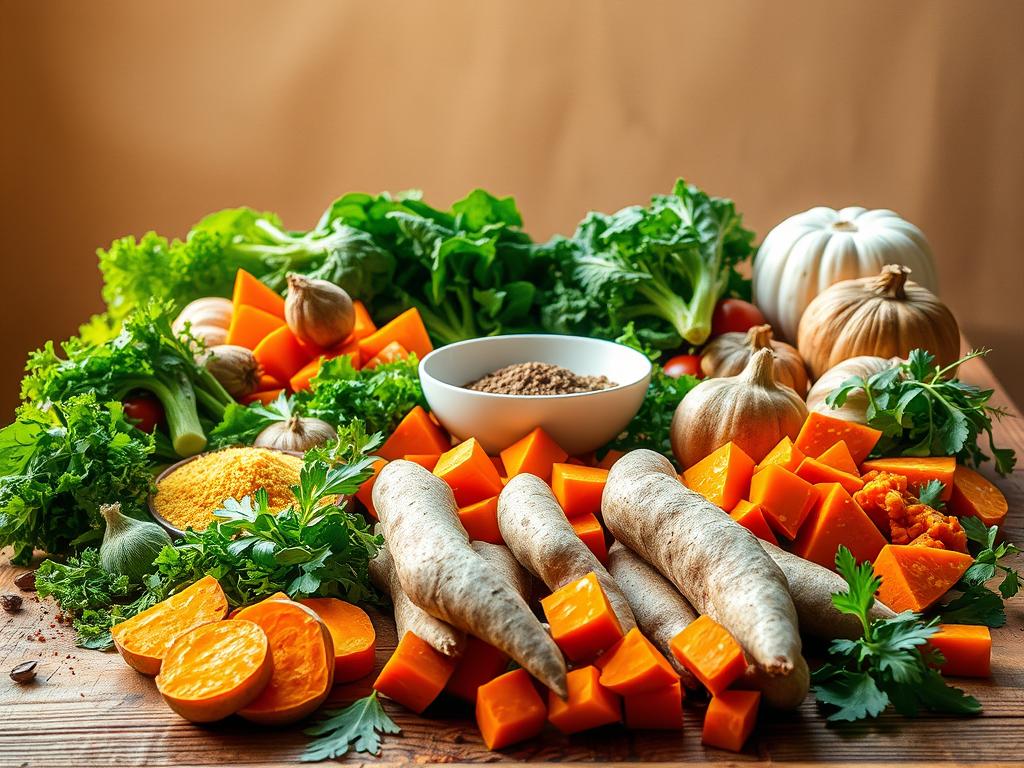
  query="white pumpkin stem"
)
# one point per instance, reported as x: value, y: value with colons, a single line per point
x: 760, y: 371
x: 892, y: 281
x: 759, y: 337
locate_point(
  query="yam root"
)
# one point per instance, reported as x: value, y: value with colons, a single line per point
x: 443, y: 575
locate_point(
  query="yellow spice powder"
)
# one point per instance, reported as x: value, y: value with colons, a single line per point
x: 188, y: 497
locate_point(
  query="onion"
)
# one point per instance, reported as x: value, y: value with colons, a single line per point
x: 318, y: 312
x: 234, y: 367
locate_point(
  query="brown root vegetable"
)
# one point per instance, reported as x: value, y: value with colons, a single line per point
x: 443, y: 575
x: 541, y: 537
x: 409, y: 617
x: 716, y: 563
x: 501, y: 559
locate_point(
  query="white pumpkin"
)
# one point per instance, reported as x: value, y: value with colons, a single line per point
x: 813, y: 250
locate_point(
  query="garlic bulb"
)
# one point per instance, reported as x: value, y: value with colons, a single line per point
x: 130, y: 546
x: 209, y: 311
x: 234, y: 367
x: 297, y: 434
x: 318, y: 312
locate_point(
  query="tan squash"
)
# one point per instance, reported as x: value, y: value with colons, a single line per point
x: 855, y: 407
x: 886, y: 316
x: 753, y: 410
x: 729, y: 354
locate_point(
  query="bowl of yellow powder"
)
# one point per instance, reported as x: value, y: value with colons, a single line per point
x: 189, y: 492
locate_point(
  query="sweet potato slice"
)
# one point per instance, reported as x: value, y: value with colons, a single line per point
x: 839, y: 457
x: 581, y: 618
x: 578, y: 488
x: 707, y: 649
x: 415, y: 433
x: 913, y: 578
x: 785, y: 454
x: 821, y: 431
x: 722, y: 477
x: 786, y: 498
x: 469, y: 472
x: 751, y: 516
x: 974, y: 496
x: 352, y: 633
x: 633, y: 666
x: 836, y: 521
x: 918, y: 471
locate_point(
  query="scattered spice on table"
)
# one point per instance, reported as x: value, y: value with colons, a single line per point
x: 188, y: 497
x: 538, y: 379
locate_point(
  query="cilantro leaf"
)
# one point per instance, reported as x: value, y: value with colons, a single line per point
x: 854, y: 694
x: 358, y: 726
x: 977, y: 603
x: 930, y: 494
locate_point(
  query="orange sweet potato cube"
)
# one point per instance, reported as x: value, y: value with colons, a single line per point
x: 578, y: 488
x: 415, y: 674
x: 751, y: 516
x: 470, y: 473
x: 407, y: 329
x: 481, y: 521
x: 415, y: 433
x: 509, y: 710
x: 480, y: 663
x: 250, y: 325
x: 707, y: 649
x: 837, y: 520
x: 251, y: 292
x: 786, y: 498
x: 722, y: 477
x: 589, y: 529
x: 967, y: 650
x: 730, y: 719
x: 914, y: 577
x: 589, y: 705
x: 821, y: 431
x: 281, y: 354
x: 392, y: 353
x: 660, y: 709
x: 785, y: 454
x: 534, y: 454
x: 975, y: 496
x: 581, y: 619
x: 839, y: 457
x: 814, y: 471
x: 633, y: 666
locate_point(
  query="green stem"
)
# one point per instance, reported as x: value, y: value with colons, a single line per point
x: 179, y: 402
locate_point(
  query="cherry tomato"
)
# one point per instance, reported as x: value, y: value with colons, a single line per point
x: 144, y: 411
x: 735, y: 315
x: 683, y: 365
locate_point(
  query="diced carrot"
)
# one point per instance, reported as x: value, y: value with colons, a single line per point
x: 722, y: 477
x: 918, y: 471
x: 300, y: 381
x: 535, y: 453
x: 251, y: 292
x: 392, y: 353
x: 266, y: 397
x: 416, y: 433
x: 578, y: 488
x: 509, y: 710
x: 913, y: 578
x: 249, y: 326
x: 364, y: 325
x: 751, y: 516
x: 730, y: 719
x: 365, y: 492
x: 469, y: 472
x: 415, y: 674
x: 814, y: 471
x: 839, y: 457
x: 966, y: 648
x: 480, y: 520
x: 480, y: 663
x: 837, y: 520
x: 633, y: 665
x: 267, y: 382
x: 589, y: 705
x: 407, y: 329
x: 591, y: 533
x: 786, y: 498
x: 426, y: 460
x: 281, y: 354
x: 581, y: 619
x: 707, y: 649
x: 308, y: 372
x: 610, y: 458
x: 661, y: 709
x: 353, y: 635
x: 821, y: 431
x: 785, y: 454
x: 974, y: 496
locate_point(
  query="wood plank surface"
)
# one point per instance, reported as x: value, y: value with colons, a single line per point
x: 89, y: 709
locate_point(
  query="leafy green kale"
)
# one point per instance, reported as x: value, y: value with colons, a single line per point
x: 58, y: 464
x: 889, y: 664
x: 922, y: 409
x: 357, y: 726
x: 976, y: 603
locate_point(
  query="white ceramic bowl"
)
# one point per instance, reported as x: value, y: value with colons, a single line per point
x: 579, y: 422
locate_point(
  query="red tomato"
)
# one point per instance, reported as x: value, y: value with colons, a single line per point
x: 683, y: 365
x: 144, y: 411
x: 735, y: 315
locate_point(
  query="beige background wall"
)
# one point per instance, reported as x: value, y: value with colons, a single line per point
x: 119, y: 117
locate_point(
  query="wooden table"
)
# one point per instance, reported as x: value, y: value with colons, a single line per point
x: 89, y: 709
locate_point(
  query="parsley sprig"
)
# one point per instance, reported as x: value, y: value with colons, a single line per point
x: 889, y: 665
x: 977, y: 603
x: 359, y: 726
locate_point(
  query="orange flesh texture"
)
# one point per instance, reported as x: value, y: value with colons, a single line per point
x: 480, y: 663
x: 918, y: 471
x: 660, y: 709
x: 416, y: 433
x: 352, y: 633
x: 589, y: 529
x: 281, y: 354
x: 215, y: 669
x: 249, y: 326
x: 633, y: 666
x: 250, y: 291
x: 913, y: 578
x: 610, y: 458
x: 707, y: 649
x: 751, y: 516
x: 415, y: 674
x: 390, y: 354
x: 820, y: 432
x: 303, y: 654
x: 730, y: 719
x: 785, y: 498
x: 407, y: 329
x: 581, y: 619
x: 266, y: 397
x: 839, y: 457
x: 535, y: 454
x: 815, y: 472
x: 967, y: 648
x: 364, y: 323
x: 509, y: 710
x: 426, y: 460
x: 365, y: 492
x: 975, y: 496
x: 784, y: 454
x: 837, y: 520
x: 481, y: 521
x: 578, y: 488
x: 469, y: 472
x: 144, y: 639
x: 722, y: 477
x: 589, y: 704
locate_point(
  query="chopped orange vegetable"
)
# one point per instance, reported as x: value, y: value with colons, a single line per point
x: 415, y: 674
x: 913, y: 578
x: 660, y: 709
x: 249, y: 326
x: 480, y: 520
x: 785, y: 454
x: 885, y: 495
x: 499, y: 467
x: 610, y: 458
x: 837, y: 521
x: 353, y: 635
x: 707, y: 649
x: 266, y: 382
x: 730, y: 719
x: 407, y: 329
x: 974, y: 496
x: 266, y: 397
x: 535, y: 454
x: 581, y: 619
x: 966, y: 648
x: 392, y: 353
x: 251, y: 292
x: 786, y: 498
x: 722, y: 477
x: 426, y: 460
x: 821, y: 431
x: 814, y: 471
x: 364, y: 325
x: 480, y: 663
x: 917, y: 471
x: 509, y: 710
x: 470, y: 473
x: 365, y: 492
x: 591, y: 533
x: 416, y: 433
x: 839, y: 457
x: 281, y: 354
x: 578, y: 488
x: 633, y: 665
x: 751, y: 516
x: 589, y: 705
x: 302, y: 379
